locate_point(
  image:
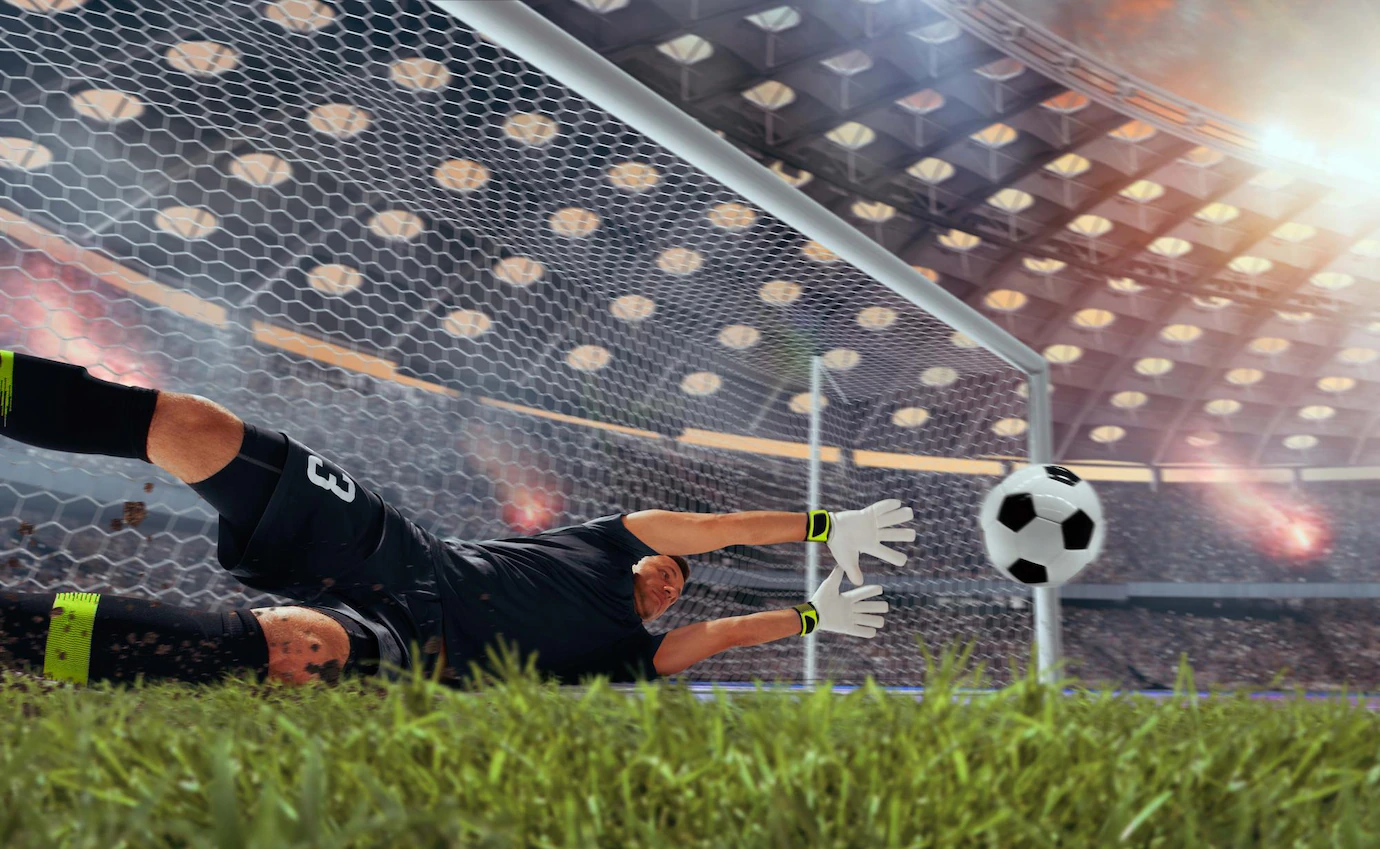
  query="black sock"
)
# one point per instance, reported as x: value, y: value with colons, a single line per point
x: 85, y: 637
x: 58, y: 406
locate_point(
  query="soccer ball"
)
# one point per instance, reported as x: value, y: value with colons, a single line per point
x: 1042, y: 525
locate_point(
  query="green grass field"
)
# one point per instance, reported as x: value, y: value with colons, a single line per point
x: 515, y: 762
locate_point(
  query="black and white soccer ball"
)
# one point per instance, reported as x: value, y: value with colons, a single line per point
x: 1043, y: 525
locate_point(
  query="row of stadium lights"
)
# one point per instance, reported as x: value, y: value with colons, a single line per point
x: 772, y: 96
x: 852, y: 136
x: 344, y: 121
x: 209, y: 59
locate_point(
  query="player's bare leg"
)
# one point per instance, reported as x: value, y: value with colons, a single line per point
x: 192, y: 438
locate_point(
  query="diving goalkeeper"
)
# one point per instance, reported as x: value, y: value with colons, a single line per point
x: 375, y: 592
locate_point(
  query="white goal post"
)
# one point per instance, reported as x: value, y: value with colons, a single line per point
x: 519, y: 29
x: 506, y: 287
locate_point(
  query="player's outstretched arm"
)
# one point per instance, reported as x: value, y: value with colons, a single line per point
x: 827, y: 610
x: 667, y: 532
x: 848, y: 534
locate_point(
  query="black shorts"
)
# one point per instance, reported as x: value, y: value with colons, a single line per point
x: 320, y: 542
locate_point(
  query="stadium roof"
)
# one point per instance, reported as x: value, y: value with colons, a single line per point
x: 1194, y: 303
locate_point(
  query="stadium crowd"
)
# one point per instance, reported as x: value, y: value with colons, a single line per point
x: 1316, y: 643
x: 1191, y: 533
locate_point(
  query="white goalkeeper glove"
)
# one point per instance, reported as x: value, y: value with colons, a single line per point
x: 862, y: 531
x: 843, y: 613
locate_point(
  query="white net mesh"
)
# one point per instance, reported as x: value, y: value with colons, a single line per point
x: 491, y: 302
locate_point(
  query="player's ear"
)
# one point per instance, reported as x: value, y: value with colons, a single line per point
x: 683, y: 565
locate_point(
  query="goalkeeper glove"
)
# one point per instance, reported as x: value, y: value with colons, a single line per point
x: 854, y: 531
x: 843, y: 613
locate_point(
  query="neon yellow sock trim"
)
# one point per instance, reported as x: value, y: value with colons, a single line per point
x: 6, y: 382
x: 68, y: 656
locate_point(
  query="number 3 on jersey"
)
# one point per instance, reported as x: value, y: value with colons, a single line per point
x: 328, y: 481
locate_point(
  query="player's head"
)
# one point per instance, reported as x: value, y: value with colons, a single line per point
x: 657, y: 583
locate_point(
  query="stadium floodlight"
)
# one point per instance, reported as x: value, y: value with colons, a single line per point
x: 504, y: 284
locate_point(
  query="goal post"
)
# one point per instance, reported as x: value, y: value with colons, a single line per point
x: 502, y: 284
x: 541, y: 43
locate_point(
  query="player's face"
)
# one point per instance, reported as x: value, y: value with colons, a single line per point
x: 657, y: 584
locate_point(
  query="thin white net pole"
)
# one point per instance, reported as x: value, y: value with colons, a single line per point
x: 1048, y: 636
x: 812, y: 551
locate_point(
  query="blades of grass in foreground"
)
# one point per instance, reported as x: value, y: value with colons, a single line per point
x: 517, y: 762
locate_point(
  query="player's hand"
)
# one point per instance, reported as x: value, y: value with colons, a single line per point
x: 863, y: 531
x: 848, y: 613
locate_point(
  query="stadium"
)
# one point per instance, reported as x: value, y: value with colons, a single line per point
x: 516, y: 268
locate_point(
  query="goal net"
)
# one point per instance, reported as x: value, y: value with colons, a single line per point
x: 490, y: 301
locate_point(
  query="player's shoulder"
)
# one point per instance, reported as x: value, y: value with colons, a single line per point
x: 612, y: 523
x: 603, y: 530
x: 607, y: 533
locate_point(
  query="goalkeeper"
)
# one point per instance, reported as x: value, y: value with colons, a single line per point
x: 375, y: 592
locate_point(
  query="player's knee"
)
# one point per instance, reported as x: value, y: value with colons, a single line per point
x: 193, y: 415
x: 303, y: 645
x: 192, y: 437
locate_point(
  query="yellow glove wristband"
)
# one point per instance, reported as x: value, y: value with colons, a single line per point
x: 818, y: 525
x: 809, y: 617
